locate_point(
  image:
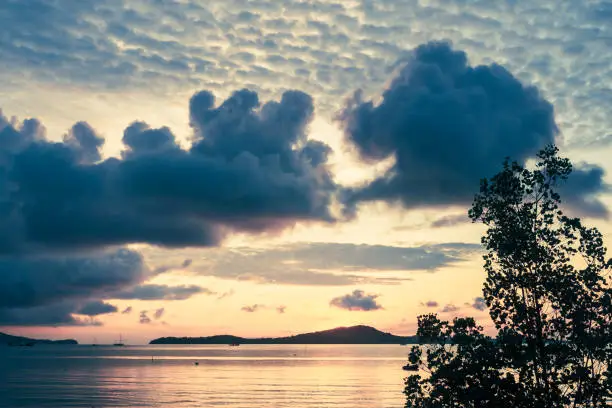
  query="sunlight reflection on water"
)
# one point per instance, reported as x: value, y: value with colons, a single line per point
x: 245, y: 376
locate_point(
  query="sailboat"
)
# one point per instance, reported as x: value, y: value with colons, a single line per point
x: 119, y: 342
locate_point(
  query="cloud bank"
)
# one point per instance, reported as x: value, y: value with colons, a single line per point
x: 250, y: 168
x: 161, y: 292
x: 447, y: 124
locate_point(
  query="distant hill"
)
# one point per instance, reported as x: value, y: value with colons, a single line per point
x: 340, y: 335
x: 9, y: 340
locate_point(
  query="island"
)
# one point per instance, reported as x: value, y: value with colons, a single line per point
x: 340, y: 335
x: 9, y: 340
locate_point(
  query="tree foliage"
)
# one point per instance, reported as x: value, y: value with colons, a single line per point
x: 548, y: 290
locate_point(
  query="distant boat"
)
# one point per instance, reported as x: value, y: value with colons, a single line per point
x: 95, y: 343
x: 119, y: 343
x: 234, y: 344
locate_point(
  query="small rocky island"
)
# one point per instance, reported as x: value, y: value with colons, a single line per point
x: 9, y: 340
x: 339, y: 335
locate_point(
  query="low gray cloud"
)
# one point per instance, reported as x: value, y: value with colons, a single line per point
x: 53, y: 314
x: 127, y: 310
x: 430, y: 303
x: 329, y: 264
x: 281, y: 309
x: 34, y: 281
x: 96, y: 308
x: 161, y: 292
x: 488, y: 115
x: 450, y: 221
x: 49, y: 289
x: 357, y: 301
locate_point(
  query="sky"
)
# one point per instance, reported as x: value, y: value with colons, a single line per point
x: 190, y: 168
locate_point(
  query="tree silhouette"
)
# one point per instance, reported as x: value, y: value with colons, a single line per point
x: 548, y: 290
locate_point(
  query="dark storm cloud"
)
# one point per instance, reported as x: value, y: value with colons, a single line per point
x: 161, y: 292
x: 356, y: 301
x: 250, y: 168
x: 448, y: 124
x: 39, y: 280
x: 96, y: 308
x: 55, y: 314
x: 48, y: 290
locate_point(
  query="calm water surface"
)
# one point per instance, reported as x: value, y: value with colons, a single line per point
x: 246, y: 376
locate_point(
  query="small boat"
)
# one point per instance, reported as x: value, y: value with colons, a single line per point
x: 234, y: 344
x: 411, y: 367
x: 119, y: 343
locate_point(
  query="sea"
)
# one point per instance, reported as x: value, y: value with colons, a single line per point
x: 248, y: 376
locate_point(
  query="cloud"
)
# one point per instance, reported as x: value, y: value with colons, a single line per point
x: 96, y: 308
x: 159, y: 313
x: 54, y: 314
x: 250, y: 168
x: 161, y: 292
x: 479, y: 304
x: 39, y: 280
x: 281, y: 309
x: 430, y: 303
x: 447, y: 124
x: 85, y: 142
x: 357, y: 301
x: 449, y: 221
x: 127, y: 310
x: 252, y: 308
x: 328, y: 264
x: 226, y: 294
x: 450, y: 308
x: 144, y: 318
